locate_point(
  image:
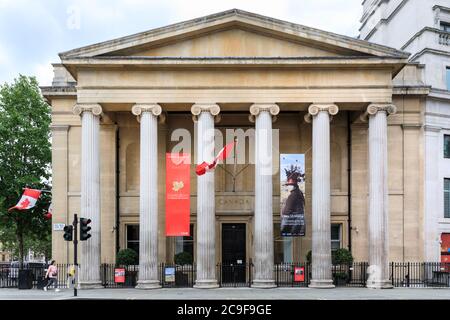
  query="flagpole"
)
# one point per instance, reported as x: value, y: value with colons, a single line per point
x: 41, y: 190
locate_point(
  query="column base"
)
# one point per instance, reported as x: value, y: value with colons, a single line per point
x: 206, y: 284
x: 148, y: 284
x: 264, y: 284
x: 379, y: 284
x: 321, y: 284
x: 89, y: 285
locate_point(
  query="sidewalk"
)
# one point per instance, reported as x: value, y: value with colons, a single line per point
x: 233, y: 294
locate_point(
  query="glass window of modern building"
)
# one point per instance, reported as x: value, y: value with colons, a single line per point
x: 133, y: 237
x: 282, y: 246
x: 448, y: 78
x: 447, y: 146
x: 446, y: 198
x: 445, y: 26
x: 335, y: 236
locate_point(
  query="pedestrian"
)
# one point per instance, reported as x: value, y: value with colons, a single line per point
x: 52, y: 276
x: 70, y: 276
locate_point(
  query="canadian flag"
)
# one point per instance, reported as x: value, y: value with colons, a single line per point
x: 28, y: 200
x: 204, y: 167
x: 48, y: 215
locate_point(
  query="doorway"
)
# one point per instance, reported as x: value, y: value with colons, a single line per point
x: 233, y: 252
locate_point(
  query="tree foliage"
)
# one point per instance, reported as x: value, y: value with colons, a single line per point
x: 127, y: 257
x: 25, y: 157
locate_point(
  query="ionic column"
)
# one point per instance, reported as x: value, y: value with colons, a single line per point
x: 321, y: 201
x: 378, y: 272
x: 89, y: 275
x: 206, y: 213
x: 263, y: 235
x: 148, y: 195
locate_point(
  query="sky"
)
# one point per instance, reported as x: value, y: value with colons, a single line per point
x: 33, y: 32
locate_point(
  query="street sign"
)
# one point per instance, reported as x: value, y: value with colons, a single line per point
x: 58, y: 226
x: 299, y: 274
x: 119, y: 275
x: 169, y: 274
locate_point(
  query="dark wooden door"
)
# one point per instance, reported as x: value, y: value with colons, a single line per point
x: 233, y: 252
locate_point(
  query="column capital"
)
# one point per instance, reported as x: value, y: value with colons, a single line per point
x: 95, y: 108
x: 212, y: 108
x: 198, y: 108
x: 315, y: 108
x: 257, y: 108
x: 373, y: 108
x: 139, y: 108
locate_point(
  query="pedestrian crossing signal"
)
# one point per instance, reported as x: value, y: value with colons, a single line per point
x: 84, y: 229
x: 68, y: 233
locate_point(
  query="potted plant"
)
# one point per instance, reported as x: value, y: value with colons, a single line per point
x: 342, y: 260
x: 182, y: 259
x: 340, y: 278
x: 127, y: 257
x: 341, y: 256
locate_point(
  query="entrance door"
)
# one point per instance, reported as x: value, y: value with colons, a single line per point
x: 233, y: 252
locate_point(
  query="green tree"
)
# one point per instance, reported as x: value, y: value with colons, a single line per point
x: 25, y: 157
x: 127, y: 257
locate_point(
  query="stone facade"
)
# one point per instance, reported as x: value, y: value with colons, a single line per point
x: 417, y: 26
x: 281, y: 65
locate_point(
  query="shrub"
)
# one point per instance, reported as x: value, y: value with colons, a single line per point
x: 308, y: 257
x: 341, y: 256
x: 127, y: 257
x: 183, y: 258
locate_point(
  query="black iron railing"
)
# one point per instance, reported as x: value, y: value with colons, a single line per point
x: 234, y: 274
x: 292, y: 274
x: 177, y: 276
x: 402, y: 274
x: 108, y: 275
x: 420, y: 274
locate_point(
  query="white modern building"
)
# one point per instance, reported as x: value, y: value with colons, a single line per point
x: 422, y: 28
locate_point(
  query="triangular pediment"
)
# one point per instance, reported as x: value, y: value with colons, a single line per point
x: 234, y: 33
x: 235, y: 42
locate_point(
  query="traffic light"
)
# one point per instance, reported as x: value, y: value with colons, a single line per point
x: 84, y: 229
x: 68, y: 233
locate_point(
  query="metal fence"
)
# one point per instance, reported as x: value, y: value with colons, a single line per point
x: 292, y: 274
x: 9, y: 276
x: 177, y: 276
x: 108, y: 272
x: 234, y: 275
x: 420, y: 274
x: 402, y: 274
x: 350, y: 275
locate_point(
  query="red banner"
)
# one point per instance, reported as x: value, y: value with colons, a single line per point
x: 177, y: 194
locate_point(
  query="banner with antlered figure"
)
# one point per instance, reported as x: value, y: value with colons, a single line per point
x: 292, y: 194
x: 178, y: 194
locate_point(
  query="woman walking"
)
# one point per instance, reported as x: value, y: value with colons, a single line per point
x: 52, y: 276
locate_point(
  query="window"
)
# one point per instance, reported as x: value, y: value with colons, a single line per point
x: 447, y: 146
x: 335, y: 236
x: 446, y: 198
x: 282, y: 246
x: 133, y: 237
x: 185, y: 244
x: 448, y: 78
x: 445, y: 26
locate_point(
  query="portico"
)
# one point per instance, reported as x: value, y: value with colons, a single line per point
x: 311, y: 86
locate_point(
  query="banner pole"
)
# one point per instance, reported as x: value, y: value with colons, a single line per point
x: 41, y: 190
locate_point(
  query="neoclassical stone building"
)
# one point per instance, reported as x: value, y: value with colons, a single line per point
x: 355, y: 109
